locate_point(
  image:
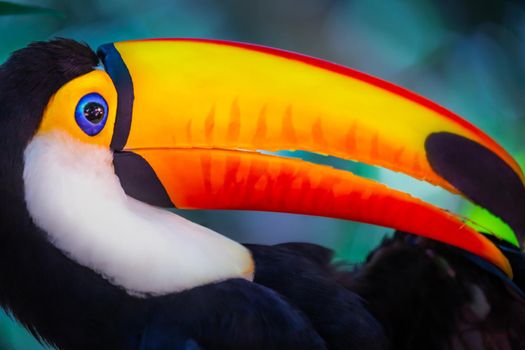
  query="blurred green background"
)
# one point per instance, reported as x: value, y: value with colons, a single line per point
x: 467, y: 55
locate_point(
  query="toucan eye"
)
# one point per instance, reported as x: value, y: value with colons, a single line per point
x: 91, y: 113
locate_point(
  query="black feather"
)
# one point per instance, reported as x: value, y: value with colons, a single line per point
x: 304, y: 274
x: 423, y: 295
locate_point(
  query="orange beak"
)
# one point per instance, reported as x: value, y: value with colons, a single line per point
x: 193, y: 115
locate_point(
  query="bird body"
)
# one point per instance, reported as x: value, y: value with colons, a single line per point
x: 90, y: 154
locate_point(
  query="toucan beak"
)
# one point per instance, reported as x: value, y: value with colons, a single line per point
x: 193, y: 114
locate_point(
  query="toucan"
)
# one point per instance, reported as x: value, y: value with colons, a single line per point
x: 96, y: 146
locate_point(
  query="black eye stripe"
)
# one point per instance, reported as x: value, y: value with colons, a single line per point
x: 119, y: 73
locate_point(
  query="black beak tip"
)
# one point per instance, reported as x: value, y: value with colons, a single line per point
x: 481, y: 175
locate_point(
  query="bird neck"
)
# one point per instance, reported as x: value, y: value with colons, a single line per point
x: 73, y: 194
x: 45, y: 290
x: 44, y: 286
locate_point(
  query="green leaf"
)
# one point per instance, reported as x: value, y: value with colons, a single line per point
x: 9, y: 8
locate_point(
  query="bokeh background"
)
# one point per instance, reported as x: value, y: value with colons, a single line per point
x: 467, y: 55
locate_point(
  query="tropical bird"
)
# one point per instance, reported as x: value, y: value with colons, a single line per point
x: 95, y: 146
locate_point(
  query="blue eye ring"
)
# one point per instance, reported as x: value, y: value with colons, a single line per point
x: 91, y: 113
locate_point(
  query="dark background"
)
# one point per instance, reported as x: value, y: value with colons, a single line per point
x: 467, y: 55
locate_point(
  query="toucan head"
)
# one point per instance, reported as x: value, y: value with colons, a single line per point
x: 102, y: 140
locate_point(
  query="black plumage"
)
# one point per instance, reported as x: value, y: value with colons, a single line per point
x: 430, y: 296
x: 403, y: 297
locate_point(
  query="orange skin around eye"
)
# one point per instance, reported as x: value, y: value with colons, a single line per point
x: 60, y: 111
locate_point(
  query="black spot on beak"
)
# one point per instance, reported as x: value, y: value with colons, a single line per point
x: 480, y: 175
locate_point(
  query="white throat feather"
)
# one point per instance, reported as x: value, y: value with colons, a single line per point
x: 73, y: 194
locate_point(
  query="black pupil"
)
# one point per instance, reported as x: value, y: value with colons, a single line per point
x: 94, y: 112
